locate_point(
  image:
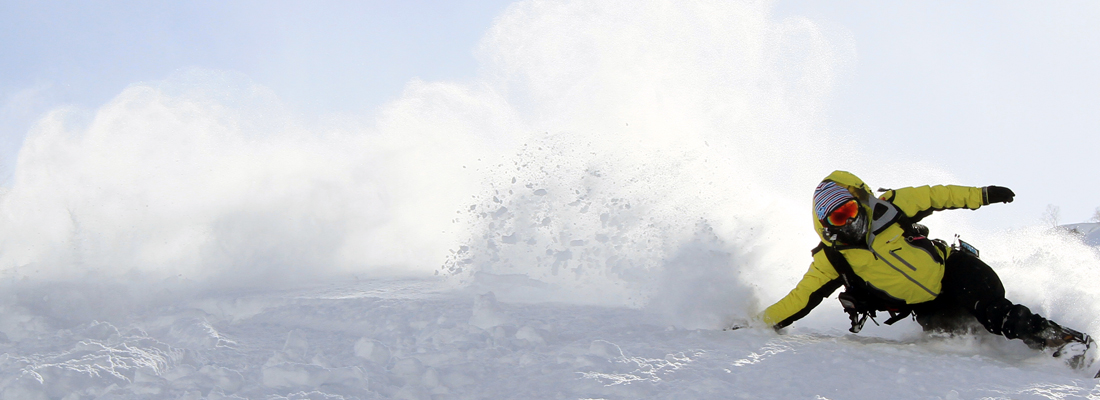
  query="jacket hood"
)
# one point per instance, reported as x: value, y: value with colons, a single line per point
x: 853, y: 184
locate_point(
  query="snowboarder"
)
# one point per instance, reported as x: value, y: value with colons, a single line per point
x: 876, y: 249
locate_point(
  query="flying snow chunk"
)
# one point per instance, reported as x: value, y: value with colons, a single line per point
x: 487, y: 313
x: 372, y: 351
x: 530, y: 335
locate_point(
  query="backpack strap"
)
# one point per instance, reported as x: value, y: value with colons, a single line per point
x: 842, y: 267
x: 855, y: 306
x: 860, y: 299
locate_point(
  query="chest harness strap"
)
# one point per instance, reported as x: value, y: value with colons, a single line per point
x: 858, y: 299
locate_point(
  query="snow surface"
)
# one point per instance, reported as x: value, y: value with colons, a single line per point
x: 622, y: 181
x: 1089, y: 232
x: 421, y: 339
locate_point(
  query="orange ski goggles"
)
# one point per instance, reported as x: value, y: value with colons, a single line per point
x: 841, y: 215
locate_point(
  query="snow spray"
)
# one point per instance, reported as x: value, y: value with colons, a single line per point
x: 656, y: 154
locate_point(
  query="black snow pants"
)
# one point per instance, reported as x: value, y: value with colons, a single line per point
x: 972, y: 291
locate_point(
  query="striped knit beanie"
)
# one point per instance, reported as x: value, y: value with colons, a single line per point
x: 828, y: 196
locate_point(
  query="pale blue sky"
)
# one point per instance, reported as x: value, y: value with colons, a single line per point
x: 997, y: 92
x: 329, y: 55
x: 317, y: 56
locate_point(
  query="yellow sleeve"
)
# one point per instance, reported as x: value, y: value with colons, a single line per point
x: 820, y: 281
x: 914, y: 200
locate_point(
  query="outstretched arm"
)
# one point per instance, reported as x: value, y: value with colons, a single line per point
x: 819, y: 282
x: 923, y: 200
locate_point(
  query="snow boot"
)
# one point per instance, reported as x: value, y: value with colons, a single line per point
x: 1069, y: 345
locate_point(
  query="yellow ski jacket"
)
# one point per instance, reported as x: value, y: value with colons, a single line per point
x: 901, y: 268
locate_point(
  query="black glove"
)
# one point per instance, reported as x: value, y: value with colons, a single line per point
x: 997, y: 194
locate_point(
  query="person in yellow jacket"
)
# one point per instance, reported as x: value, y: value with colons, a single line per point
x: 876, y: 249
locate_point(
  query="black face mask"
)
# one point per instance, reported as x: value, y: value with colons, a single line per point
x: 854, y: 232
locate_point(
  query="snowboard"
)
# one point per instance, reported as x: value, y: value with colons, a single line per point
x: 1079, y: 353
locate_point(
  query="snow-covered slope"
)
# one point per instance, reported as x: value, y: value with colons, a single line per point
x: 420, y: 339
x: 1089, y: 232
x: 623, y: 180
